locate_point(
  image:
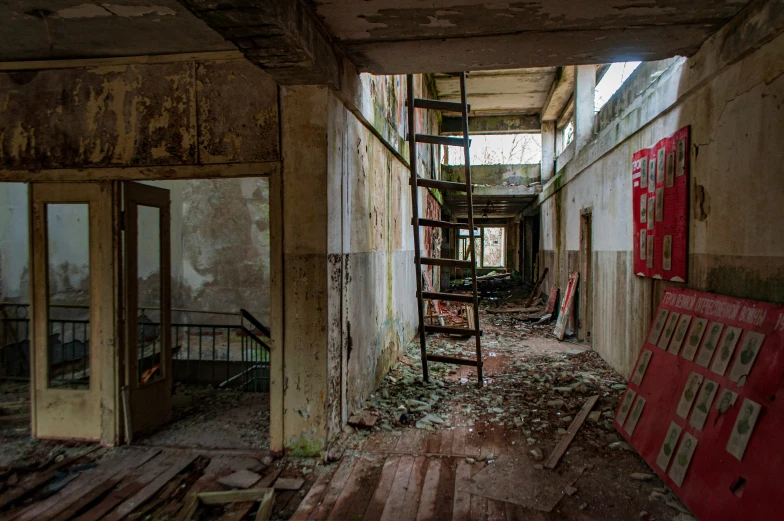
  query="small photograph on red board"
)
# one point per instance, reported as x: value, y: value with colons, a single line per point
x: 660, y: 206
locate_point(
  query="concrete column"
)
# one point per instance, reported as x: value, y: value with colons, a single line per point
x: 302, y: 404
x: 548, y: 150
x: 584, y: 94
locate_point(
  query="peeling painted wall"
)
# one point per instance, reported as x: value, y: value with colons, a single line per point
x: 372, y: 202
x: 737, y: 123
x: 145, y: 114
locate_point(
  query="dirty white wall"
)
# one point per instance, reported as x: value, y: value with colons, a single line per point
x: 376, y: 248
x: 730, y: 93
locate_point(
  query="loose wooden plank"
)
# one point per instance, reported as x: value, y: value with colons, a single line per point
x: 350, y: 489
x: 408, y: 510
x: 83, y: 484
x: 313, y: 498
x: 359, y: 490
x: 86, y: 499
x: 473, y: 444
x: 397, y: 493
x: 459, y: 440
x: 535, y: 291
x: 427, y: 504
x: 336, y: 485
x: 232, y: 496
x: 559, y: 450
x: 375, y: 508
x: 133, y: 483
x: 461, y: 506
x: 129, y: 505
x: 37, y: 480
x: 237, y: 511
x: 433, y: 442
x: 447, y: 438
x: 407, y: 440
x: 446, y: 488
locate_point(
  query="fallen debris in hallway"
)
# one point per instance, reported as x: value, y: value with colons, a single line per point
x: 455, y: 435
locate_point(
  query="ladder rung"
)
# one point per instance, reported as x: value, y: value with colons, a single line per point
x: 449, y: 186
x: 454, y: 297
x: 451, y: 360
x: 450, y: 330
x: 447, y: 263
x: 442, y: 224
x: 440, y: 140
x: 444, y: 106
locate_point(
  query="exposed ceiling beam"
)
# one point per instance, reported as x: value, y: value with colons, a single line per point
x: 283, y: 37
x: 528, y: 49
x: 512, y: 124
x: 560, y: 92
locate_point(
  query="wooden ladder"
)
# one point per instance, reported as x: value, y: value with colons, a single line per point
x: 461, y: 108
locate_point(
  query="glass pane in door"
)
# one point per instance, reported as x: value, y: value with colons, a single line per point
x: 68, y: 291
x: 148, y: 219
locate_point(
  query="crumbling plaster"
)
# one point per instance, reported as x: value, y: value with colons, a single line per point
x: 730, y: 95
x: 138, y: 114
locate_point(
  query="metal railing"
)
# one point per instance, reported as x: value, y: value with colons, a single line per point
x: 223, y: 355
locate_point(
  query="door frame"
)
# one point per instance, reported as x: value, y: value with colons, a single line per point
x: 70, y: 413
x: 585, y: 318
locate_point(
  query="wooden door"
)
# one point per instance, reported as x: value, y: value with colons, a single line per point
x: 73, y: 329
x: 147, y: 309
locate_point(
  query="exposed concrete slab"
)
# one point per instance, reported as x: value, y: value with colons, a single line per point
x: 60, y: 29
x: 515, y: 91
x: 507, y: 124
x: 529, y: 49
x: 493, y: 174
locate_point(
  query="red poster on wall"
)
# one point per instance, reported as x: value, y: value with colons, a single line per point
x: 704, y: 406
x: 660, y: 205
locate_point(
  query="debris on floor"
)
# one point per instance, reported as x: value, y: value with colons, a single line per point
x: 91, y: 482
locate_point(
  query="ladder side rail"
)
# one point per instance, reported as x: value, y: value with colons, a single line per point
x: 469, y: 196
x: 412, y: 146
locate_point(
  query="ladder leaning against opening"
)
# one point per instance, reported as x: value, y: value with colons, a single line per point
x: 462, y: 108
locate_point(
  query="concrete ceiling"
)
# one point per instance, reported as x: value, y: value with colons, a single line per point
x: 497, y: 202
x: 400, y: 36
x: 515, y: 91
x: 60, y: 29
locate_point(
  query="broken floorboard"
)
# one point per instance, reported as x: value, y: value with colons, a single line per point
x: 150, y: 483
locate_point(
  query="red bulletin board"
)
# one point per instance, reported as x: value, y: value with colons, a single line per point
x: 660, y: 205
x: 707, y: 387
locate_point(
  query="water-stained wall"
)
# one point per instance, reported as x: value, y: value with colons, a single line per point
x: 178, y: 113
x: 730, y: 95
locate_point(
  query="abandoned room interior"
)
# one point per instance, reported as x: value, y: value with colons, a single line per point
x: 391, y: 260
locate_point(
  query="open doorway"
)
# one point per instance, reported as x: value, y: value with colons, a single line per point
x: 214, y: 241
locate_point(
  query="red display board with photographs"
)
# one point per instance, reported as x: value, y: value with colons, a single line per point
x: 704, y: 405
x: 660, y: 191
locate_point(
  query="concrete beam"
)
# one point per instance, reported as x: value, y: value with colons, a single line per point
x: 584, y: 94
x: 511, y: 124
x: 548, y: 150
x: 560, y: 92
x: 283, y: 37
x: 528, y: 49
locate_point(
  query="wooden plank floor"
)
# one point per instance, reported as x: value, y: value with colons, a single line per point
x: 413, y: 476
